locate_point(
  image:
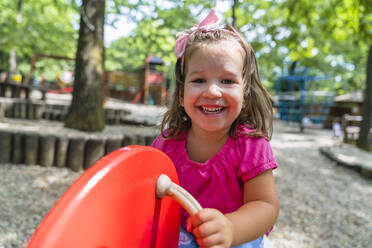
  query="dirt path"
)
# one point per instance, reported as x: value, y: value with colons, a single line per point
x: 322, y: 203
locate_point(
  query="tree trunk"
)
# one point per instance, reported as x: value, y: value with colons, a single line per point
x: 86, y: 109
x: 12, y: 64
x: 234, y: 7
x: 365, y: 141
x: 13, y: 68
x: 292, y: 68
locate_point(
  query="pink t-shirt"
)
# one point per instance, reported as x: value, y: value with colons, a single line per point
x: 218, y: 182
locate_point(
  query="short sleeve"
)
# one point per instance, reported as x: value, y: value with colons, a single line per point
x: 256, y: 157
x: 158, y: 142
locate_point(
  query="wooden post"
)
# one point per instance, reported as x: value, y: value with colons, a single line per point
x: 5, y: 146
x: 94, y: 150
x: 31, y: 148
x: 61, y: 151
x: 75, y: 156
x: 146, y: 84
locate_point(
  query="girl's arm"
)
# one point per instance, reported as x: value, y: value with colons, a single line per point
x: 249, y: 222
x: 260, y: 210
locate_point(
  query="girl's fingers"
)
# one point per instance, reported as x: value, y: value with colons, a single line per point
x: 214, y: 240
x: 206, y: 229
x: 211, y: 228
x: 204, y: 215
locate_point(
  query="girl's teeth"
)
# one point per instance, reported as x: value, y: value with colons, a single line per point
x: 211, y: 110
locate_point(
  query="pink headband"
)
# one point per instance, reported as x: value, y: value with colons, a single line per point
x: 211, y: 22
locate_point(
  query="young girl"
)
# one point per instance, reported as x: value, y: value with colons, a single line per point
x: 216, y: 133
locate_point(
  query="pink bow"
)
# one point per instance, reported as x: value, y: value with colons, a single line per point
x: 209, y: 23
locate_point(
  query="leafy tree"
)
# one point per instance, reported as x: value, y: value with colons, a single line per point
x: 46, y: 26
x: 363, y: 30
x: 282, y: 32
x: 365, y: 140
x: 330, y: 37
x: 354, y: 19
x: 155, y: 34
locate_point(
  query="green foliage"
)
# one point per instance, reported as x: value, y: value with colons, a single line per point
x: 47, y: 26
x: 129, y: 53
x: 154, y: 35
x: 320, y: 35
x: 329, y: 37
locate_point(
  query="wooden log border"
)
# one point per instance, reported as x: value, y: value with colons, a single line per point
x: 36, y: 110
x: 75, y: 152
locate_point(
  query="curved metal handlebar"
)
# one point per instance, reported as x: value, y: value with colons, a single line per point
x: 164, y: 186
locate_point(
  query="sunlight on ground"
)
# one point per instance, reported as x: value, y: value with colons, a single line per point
x: 290, y: 239
x: 7, y: 238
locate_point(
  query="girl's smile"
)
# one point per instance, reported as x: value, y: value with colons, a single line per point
x: 213, y: 91
x: 211, y: 110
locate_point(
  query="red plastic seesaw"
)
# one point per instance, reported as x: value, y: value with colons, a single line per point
x: 114, y: 204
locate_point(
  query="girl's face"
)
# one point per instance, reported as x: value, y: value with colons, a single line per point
x: 213, y: 90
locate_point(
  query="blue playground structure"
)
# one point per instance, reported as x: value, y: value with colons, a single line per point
x: 300, y: 97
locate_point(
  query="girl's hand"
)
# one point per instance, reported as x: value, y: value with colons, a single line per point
x: 211, y: 228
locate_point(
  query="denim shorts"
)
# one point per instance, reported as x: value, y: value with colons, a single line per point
x: 187, y: 240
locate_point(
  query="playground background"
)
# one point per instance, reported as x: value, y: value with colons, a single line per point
x: 288, y: 36
x: 296, y: 42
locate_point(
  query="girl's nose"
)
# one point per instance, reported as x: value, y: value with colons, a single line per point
x: 212, y: 90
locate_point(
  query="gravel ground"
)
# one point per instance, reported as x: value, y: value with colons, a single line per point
x: 26, y: 195
x: 322, y: 204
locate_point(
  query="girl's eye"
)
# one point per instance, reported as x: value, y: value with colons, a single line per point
x: 227, y: 81
x: 198, y: 81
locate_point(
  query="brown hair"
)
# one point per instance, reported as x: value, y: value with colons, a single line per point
x: 257, y: 110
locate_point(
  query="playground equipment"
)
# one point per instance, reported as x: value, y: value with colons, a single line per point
x: 13, y: 86
x: 299, y: 97
x: 154, y: 84
x: 14, y: 90
x: 64, y: 83
x: 119, y: 202
x: 147, y: 87
x: 122, y: 85
x: 36, y: 57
